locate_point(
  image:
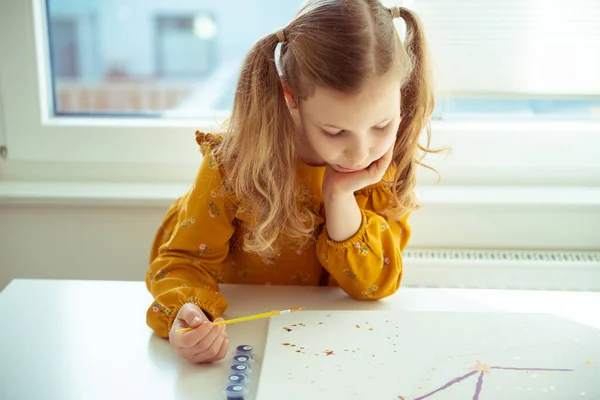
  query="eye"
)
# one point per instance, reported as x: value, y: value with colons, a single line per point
x: 382, y: 128
x: 332, y: 135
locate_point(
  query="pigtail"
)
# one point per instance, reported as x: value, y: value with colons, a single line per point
x: 259, y: 120
x: 418, y: 104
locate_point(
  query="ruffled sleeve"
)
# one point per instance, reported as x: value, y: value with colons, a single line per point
x: 190, y: 264
x: 368, y: 266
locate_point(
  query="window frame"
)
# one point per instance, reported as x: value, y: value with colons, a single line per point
x: 42, y: 146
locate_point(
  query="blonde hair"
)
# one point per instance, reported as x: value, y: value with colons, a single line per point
x: 339, y: 44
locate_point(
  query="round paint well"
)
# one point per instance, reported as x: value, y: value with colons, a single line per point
x: 240, y: 369
x: 236, y: 379
x: 242, y: 359
x: 245, y: 349
x: 234, y: 392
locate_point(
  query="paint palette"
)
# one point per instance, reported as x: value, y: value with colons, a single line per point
x: 429, y: 355
x: 239, y: 374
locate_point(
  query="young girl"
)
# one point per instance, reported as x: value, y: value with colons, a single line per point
x: 312, y: 184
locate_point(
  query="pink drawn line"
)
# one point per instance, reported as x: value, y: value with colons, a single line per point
x: 447, y: 385
x: 479, y: 386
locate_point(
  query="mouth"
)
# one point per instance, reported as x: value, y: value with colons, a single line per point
x: 344, y: 169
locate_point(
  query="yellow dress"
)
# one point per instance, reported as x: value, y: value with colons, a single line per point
x: 200, y: 244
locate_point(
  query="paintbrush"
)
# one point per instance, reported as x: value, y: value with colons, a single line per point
x: 248, y: 318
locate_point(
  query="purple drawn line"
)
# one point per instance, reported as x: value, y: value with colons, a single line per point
x: 447, y: 385
x: 479, y: 386
x: 533, y: 369
x: 480, y: 380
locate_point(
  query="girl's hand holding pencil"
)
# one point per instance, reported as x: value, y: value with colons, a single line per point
x: 220, y: 321
x: 200, y: 341
x: 195, y: 338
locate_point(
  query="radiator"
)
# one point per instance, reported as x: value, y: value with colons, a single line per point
x: 502, y: 269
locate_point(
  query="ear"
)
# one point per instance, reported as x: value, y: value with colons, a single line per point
x: 289, y: 96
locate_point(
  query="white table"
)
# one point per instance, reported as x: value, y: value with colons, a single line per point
x: 88, y: 339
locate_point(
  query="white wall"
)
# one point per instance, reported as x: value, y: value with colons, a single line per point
x: 109, y: 243
x: 91, y: 241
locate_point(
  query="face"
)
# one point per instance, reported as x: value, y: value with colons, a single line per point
x: 349, y: 131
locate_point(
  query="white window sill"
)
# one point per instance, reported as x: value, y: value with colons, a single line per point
x: 90, y: 194
x: 163, y: 194
x: 457, y: 217
x: 545, y: 196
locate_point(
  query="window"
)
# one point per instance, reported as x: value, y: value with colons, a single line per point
x: 185, y: 46
x: 152, y: 60
x: 524, y: 60
x: 97, y: 84
x: 65, y: 49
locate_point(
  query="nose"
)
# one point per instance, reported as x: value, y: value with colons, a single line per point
x: 357, y: 154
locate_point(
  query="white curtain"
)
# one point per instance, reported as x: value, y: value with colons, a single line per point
x: 513, y: 47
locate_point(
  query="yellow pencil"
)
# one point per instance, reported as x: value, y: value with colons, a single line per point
x: 249, y: 318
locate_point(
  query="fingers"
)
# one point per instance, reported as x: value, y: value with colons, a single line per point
x: 390, y: 153
x: 208, y: 348
x: 385, y: 160
x: 220, y: 346
x: 223, y: 351
x: 216, y: 351
x: 191, y: 338
x: 212, y: 347
x: 378, y: 168
x: 191, y: 315
x: 205, y: 344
